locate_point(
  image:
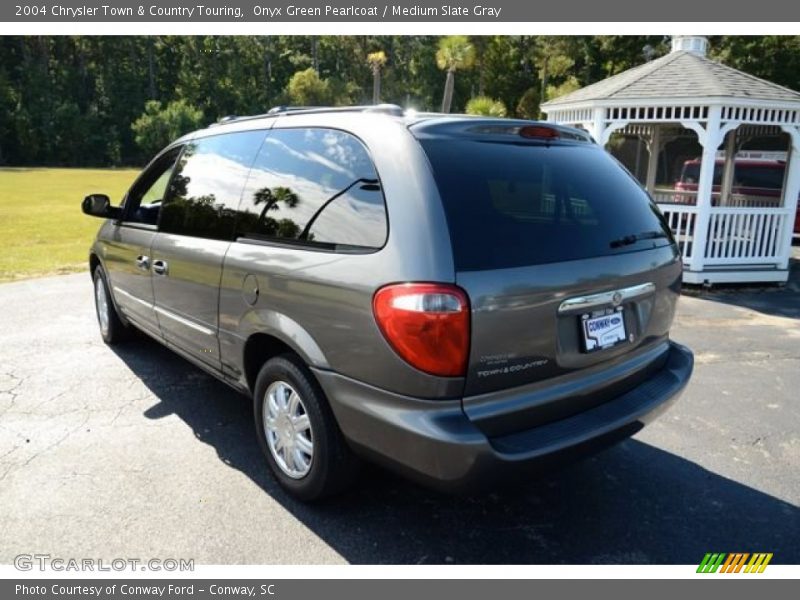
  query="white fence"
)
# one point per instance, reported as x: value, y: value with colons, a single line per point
x: 737, y: 235
x: 670, y: 196
x: 745, y: 236
x: 681, y: 219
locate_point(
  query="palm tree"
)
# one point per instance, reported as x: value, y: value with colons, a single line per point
x: 455, y: 52
x: 376, y: 61
x: 271, y: 199
x: 481, y: 45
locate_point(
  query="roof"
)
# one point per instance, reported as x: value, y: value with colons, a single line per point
x: 679, y: 74
x: 344, y: 115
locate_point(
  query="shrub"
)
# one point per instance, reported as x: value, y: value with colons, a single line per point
x: 158, y: 126
x: 488, y: 107
x: 306, y: 88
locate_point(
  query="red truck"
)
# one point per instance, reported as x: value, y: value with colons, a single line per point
x: 756, y: 182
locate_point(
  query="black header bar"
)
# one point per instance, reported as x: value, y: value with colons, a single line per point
x: 316, y: 11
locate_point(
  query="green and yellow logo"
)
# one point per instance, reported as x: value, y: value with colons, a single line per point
x: 736, y: 562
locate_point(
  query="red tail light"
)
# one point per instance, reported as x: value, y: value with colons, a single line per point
x: 427, y: 324
x: 539, y: 131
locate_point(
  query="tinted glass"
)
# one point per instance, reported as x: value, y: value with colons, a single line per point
x: 759, y: 176
x: 316, y: 187
x: 510, y: 205
x: 205, y: 191
x: 143, y: 203
x: 691, y: 173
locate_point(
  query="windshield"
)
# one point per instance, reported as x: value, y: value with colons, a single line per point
x: 516, y: 204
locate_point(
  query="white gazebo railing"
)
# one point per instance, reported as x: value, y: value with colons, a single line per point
x: 682, y: 219
x: 736, y: 236
x: 724, y: 235
x: 672, y: 196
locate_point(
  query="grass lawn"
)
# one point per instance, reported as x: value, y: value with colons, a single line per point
x: 42, y: 228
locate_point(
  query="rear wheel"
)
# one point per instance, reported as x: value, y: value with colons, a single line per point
x: 112, y: 329
x: 297, y: 431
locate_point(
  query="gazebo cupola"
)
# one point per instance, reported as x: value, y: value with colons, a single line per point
x: 726, y: 233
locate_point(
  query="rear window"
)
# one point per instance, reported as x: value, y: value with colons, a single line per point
x: 516, y: 204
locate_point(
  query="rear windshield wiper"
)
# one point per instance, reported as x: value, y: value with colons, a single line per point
x: 627, y: 240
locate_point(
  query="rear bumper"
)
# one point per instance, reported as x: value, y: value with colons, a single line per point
x: 433, y: 441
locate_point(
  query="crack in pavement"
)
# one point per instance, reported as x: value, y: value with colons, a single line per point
x: 47, y: 448
x: 12, y: 391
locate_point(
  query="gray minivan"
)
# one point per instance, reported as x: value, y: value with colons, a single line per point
x: 461, y: 299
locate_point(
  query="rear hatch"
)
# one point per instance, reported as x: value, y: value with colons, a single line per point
x: 571, y: 271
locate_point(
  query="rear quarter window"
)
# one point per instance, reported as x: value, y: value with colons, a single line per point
x: 314, y: 187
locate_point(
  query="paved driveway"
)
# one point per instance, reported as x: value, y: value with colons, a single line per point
x: 133, y: 452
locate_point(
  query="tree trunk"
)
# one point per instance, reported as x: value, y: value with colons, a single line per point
x: 447, y: 100
x: 543, y: 90
x: 376, y: 85
x: 267, y: 49
x: 151, y: 70
x: 315, y: 53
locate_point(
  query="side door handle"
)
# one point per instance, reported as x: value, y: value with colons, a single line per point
x: 143, y: 262
x: 160, y: 267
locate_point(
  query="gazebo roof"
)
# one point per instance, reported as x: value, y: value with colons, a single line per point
x: 679, y: 74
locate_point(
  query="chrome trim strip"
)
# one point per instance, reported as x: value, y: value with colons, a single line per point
x: 579, y: 303
x: 118, y: 290
x: 182, y: 321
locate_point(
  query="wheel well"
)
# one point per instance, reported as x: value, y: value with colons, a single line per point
x: 258, y: 349
x: 94, y: 262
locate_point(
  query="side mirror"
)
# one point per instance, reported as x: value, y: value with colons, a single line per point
x: 99, y: 205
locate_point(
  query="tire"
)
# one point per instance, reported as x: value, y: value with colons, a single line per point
x: 112, y: 329
x: 311, y: 462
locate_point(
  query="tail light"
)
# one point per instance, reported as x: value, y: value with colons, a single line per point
x: 427, y: 324
x: 539, y: 131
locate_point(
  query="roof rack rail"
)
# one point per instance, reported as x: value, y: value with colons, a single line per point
x: 225, y: 119
x: 393, y: 109
x: 389, y: 109
x: 275, y: 111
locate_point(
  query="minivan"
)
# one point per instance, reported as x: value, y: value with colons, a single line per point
x: 465, y: 300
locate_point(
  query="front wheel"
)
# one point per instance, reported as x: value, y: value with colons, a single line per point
x: 297, y: 431
x: 112, y: 329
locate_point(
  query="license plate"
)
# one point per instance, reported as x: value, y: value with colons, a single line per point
x: 603, y: 331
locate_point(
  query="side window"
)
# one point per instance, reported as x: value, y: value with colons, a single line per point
x: 316, y: 187
x: 207, y: 185
x: 143, y: 202
x: 756, y: 176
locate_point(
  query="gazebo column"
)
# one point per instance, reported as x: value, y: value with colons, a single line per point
x: 598, y: 124
x: 709, y: 138
x: 654, y: 148
x: 791, y: 189
x: 728, y: 170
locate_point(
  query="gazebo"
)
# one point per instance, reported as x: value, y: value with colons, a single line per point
x: 726, y: 234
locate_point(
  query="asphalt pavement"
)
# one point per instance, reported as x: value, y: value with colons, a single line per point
x: 132, y: 452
